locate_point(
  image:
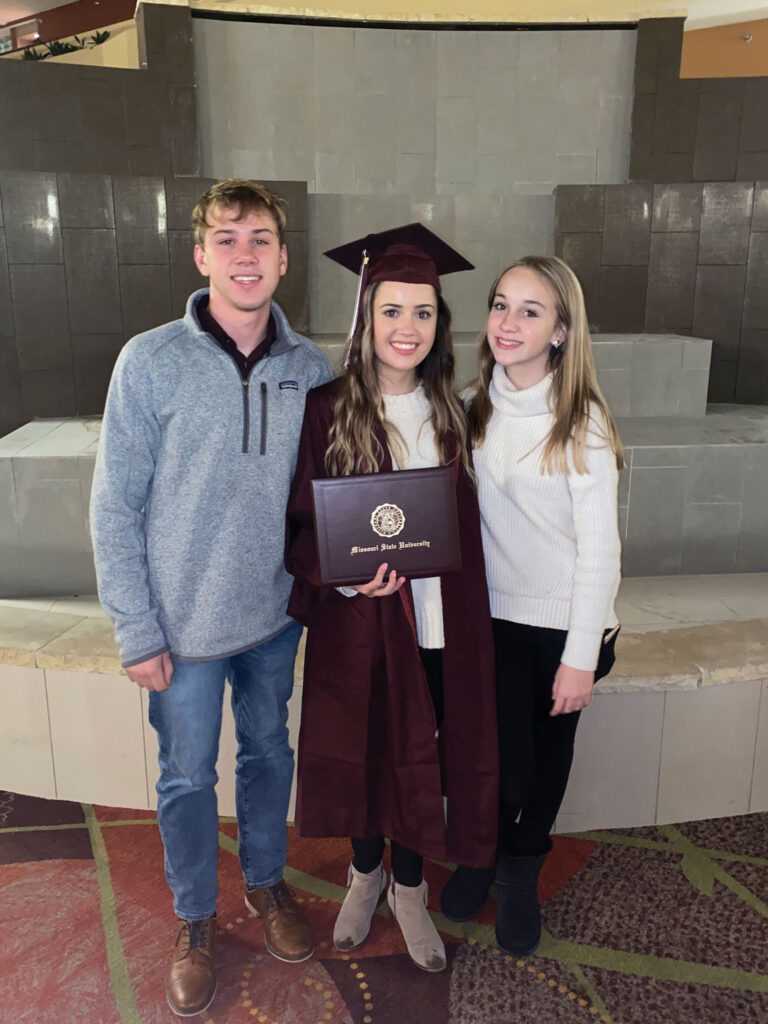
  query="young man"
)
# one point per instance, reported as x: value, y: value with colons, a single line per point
x: 197, y: 452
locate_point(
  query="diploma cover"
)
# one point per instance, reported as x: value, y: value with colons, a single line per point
x: 407, y: 519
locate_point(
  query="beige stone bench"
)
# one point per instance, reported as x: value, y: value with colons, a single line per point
x: 678, y: 731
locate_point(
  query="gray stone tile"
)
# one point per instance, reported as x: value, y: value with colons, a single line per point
x: 415, y: 173
x: 671, y: 281
x: 32, y: 234
x: 292, y: 293
x: 11, y: 412
x: 416, y: 121
x: 725, y: 219
x: 36, y: 497
x: 141, y: 217
x: 6, y: 307
x: 46, y: 393
x: 717, y: 134
x: 375, y: 156
x: 754, y: 131
x: 692, y: 400
x: 752, y: 554
x: 613, y: 143
x: 85, y: 201
x: 477, y: 217
x: 722, y: 380
x: 656, y: 457
x: 710, y: 538
x: 760, y: 207
x: 455, y: 140
x: 577, y: 168
x: 579, y: 208
x: 697, y: 353
x: 614, y: 354
x: 438, y: 213
x: 90, y: 262
x: 616, y: 386
x: 755, y: 294
x: 40, y: 307
x: 334, y: 60
x: 677, y: 104
x: 627, y: 230
x: 181, y: 196
x: 335, y: 172
x: 623, y: 492
x: 457, y: 64
x: 145, y: 293
x: 185, y: 277
x: 622, y: 298
x: 184, y: 134
x: 374, y: 60
x: 498, y: 49
x: 578, y: 117
x: 582, y: 253
x: 656, y: 377
x: 715, y: 474
x: 676, y: 207
x: 718, y: 308
x: 9, y: 523
x: 93, y: 358
x: 654, y: 539
x: 752, y: 374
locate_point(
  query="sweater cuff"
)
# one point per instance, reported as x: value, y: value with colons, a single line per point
x: 347, y: 591
x: 582, y: 650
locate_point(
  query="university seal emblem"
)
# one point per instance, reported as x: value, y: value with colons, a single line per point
x: 387, y: 520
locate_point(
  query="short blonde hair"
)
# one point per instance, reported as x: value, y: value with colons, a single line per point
x: 238, y: 194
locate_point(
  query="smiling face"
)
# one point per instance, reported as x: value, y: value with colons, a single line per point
x: 243, y: 259
x: 404, y: 325
x: 522, y: 326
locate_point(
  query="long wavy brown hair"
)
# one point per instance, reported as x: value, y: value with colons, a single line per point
x: 359, y: 406
x: 575, y: 396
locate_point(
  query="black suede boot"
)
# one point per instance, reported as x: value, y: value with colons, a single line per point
x: 518, y: 917
x: 465, y: 892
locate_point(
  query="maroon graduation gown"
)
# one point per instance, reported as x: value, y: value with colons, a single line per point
x: 369, y: 762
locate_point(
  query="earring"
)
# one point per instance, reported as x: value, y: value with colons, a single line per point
x: 556, y: 343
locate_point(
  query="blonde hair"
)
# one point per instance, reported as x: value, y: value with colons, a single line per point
x: 575, y: 396
x: 359, y: 406
x: 244, y: 196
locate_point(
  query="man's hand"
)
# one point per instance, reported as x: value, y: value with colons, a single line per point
x: 572, y: 690
x: 377, y: 587
x: 154, y: 674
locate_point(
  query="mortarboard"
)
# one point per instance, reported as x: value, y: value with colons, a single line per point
x: 411, y: 253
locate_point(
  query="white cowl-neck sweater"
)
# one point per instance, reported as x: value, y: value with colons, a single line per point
x: 410, y: 413
x: 551, y: 542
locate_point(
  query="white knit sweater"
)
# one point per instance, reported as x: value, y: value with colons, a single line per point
x: 411, y: 415
x: 551, y: 542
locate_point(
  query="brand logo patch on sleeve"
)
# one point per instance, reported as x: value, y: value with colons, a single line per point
x: 293, y: 384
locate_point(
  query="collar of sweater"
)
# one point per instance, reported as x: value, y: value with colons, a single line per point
x: 510, y: 401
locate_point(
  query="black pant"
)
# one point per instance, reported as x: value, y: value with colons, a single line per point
x: 407, y: 865
x: 535, y: 749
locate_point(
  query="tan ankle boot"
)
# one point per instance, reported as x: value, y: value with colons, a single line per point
x: 409, y: 908
x: 363, y: 896
x: 191, y: 983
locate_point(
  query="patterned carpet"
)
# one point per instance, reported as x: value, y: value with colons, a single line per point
x: 665, y: 925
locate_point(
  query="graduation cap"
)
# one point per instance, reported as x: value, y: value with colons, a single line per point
x: 411, y: 253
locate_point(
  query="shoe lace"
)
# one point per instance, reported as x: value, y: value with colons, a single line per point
x: 197, y: 934
x: 276, y: 896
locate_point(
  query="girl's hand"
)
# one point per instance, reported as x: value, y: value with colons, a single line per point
x: 377, y: 587
x: 572, y: 690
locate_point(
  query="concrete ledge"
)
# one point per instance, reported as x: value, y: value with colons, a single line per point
x: 672, y: 659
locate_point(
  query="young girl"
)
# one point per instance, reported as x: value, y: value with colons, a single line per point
x: 547, y: 456
x: 399, y: 699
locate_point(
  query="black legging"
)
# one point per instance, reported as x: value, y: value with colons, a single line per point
x: 535, y: 748
x: 407, y: 865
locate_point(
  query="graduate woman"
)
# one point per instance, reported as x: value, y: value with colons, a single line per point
x: 399, y: 697
x: 547, y: 456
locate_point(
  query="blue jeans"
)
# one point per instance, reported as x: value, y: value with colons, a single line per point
x: 187, y: 718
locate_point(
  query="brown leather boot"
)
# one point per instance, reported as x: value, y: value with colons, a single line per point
x: 191, y: 983
x: 286, y: 932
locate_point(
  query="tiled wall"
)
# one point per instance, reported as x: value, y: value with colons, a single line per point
x: 688, y: 258
x: 63, y: 117
x: 707, y: 129
x: 86, y: 262
x: 467, y: 131
x: 694, y: 509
